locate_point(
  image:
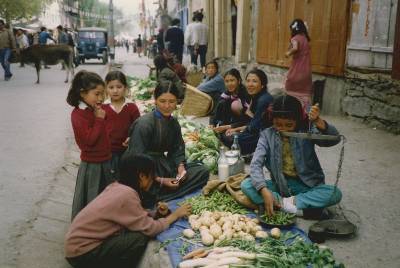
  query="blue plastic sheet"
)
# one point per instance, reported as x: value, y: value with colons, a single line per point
x: 176, y: 229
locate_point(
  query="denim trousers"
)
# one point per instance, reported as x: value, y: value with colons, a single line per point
x: 5, y: 54
x: 320, y: 196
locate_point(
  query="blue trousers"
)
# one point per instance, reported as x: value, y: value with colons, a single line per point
x: 320, y: 196
x: 5, y: 54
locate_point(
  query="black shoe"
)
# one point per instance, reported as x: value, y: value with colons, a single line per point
x: 46, y: 67
x: 7, y: 78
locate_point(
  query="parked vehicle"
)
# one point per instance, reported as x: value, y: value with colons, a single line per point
x: 92, y: 44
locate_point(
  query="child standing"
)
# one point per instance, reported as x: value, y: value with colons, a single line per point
x: 297, y: 180
x: 299, y: 77
x: 94, y: 174
x: 120, y: 114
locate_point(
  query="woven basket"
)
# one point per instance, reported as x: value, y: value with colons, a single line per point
x: 196, y: 103
x: 194, y: 78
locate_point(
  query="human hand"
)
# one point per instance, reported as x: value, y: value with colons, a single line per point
x: 162, y: 208
x: 313, y: 116
x: 184, y: 210
x: 170, y: 183
x: 99, y: 112
x: 221, y: 129
x: 287, y: 54
x: 269, y: 202
x: 230, y: 132
x: 126, y: 142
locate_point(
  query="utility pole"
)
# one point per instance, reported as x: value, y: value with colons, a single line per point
x: 111, y: 35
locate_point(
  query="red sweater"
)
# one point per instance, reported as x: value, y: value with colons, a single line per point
x: 118, y: 124
x: 91, y: 136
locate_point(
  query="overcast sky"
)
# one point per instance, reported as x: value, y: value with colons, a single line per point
x: 132, y: 6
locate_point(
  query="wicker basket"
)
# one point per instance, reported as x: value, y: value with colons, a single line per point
x: 196, y: 103
x: 194, y: 78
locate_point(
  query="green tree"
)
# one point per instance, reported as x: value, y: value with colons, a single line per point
x: 21, y: 9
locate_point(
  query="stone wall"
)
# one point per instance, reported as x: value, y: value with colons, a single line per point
x: 373, y: 99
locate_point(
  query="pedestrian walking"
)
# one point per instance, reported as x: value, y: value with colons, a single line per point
x: 88, y: 122
x: 44, y: 36
x: 139, y: 45
x: 196, y: 39
x: 121, y: 112
x: 175, y: 39
x: 62, y: 36
x: 299, y: 77
x: 22, y: 42
x: 7, y: 44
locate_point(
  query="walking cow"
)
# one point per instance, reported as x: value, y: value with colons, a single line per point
x: 49, y: 54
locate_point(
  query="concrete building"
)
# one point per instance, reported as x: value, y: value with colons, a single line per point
x: 355, y: 48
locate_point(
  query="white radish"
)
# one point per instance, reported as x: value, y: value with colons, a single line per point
x: 196, y: 262
x: 261, y: 234
x: 275, y: 233
x: 225, y: 261
x: 189, y: 233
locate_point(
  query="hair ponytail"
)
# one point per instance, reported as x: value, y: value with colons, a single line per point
x: 83, y: 81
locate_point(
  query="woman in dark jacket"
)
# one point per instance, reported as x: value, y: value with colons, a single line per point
x: 158, y: 134
x: 260, y: 99
x: 232, y: 106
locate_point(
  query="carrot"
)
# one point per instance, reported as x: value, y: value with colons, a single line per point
x: 194, y: 253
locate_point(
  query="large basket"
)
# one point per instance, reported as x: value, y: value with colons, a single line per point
x: 194, y: 78
x: 196, y: 103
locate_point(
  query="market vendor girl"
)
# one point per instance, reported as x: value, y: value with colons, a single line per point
x: 297, y: 180
x: 158, y: 134
x: 260, y: 99
x: 230, y: 111
x: 113, y: 230
x: 120, y: 114
x: 86, y: 95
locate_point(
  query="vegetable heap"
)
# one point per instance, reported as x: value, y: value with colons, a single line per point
x: 216, y: 201
x: 201, y: 144
x: 217, y: 226
x: 141, y: 89
x: 279, y: 218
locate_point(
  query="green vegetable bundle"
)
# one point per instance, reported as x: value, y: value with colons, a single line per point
x: 273, y: 252
x: 217, y: 201
x: 141, y: 88
x: 279, y: 218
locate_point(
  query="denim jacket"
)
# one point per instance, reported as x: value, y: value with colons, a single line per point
x: 269, y: 154
x: 214, y: 84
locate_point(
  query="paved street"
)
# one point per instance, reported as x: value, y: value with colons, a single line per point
x: 39, y: 160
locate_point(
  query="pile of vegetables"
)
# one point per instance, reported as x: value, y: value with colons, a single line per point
x: 287, y: 250
x: 279, y: 218
x: 141, y: 89
x: 201, y: 144
x: 217, y: 226
x: 216, y: 201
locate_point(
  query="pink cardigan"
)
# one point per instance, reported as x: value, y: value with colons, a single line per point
x: 118, y: 207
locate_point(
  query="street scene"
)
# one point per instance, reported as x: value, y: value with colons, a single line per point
x: 170, y: 133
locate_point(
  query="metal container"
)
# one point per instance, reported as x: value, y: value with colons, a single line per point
x: 236, y: 163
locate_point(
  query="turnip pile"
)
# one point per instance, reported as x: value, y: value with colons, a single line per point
x: 215, y: 227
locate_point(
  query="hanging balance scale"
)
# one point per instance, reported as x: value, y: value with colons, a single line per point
x: 340, y: 225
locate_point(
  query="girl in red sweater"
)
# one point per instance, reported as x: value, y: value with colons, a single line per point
x: 120, y: 114
x: 86, y: 95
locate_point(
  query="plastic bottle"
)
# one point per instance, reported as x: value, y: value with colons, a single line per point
x: 235, y: 146
x: 223, y: 166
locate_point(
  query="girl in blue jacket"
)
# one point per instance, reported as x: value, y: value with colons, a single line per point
x: 297, y: 181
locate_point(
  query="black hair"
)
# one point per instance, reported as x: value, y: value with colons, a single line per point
x: 42, y: 28
x: 242, y: 93
x: 198, y: 16
x: 59, y: 27
x: 175, y: 22
x: 298, y: 27
x: 116, y: 75
x: 289, y: 107
x: 215, y: 63
x: 166, y: 87
x: 160, y: 63
x: 83, y: 81
x: 2, y: 22
x: 261, y: 75
x: 131, y: 166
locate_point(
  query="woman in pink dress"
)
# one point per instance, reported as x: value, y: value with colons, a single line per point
x: 298, y: 82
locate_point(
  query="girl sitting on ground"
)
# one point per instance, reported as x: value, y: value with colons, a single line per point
x: 113, y: 230
x: 297, y: 180
x: 260, y: 99
x: 230, y: 111
x: 86, y: 94
x: 121, y: 112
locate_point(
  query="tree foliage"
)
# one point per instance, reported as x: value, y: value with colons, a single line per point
x: 21, y: 9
